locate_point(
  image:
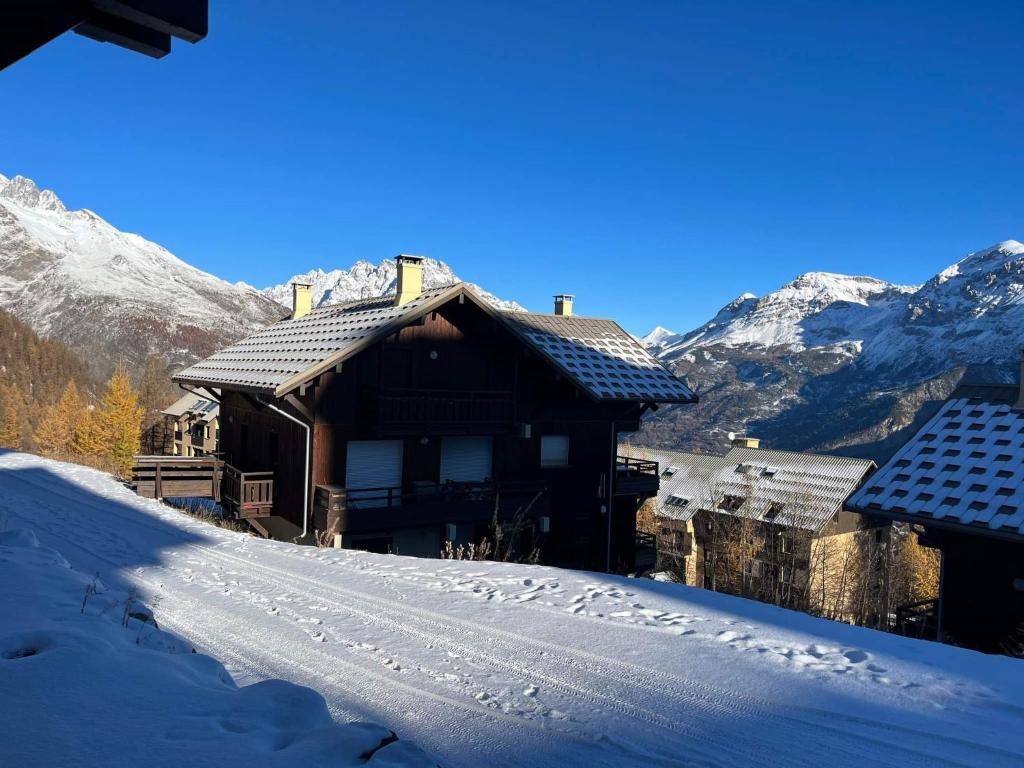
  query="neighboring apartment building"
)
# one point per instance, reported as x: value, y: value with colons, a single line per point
x: 759, y: 523
x: 194, y: 419
x: 961, y: 477
x: 402, y: 422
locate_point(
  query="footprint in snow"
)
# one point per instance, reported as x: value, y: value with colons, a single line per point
x: 318, y: 637
x: 530, y: 690
x: 575, y: 608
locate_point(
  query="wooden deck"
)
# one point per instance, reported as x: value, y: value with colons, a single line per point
x: 636, y: 477
x: 158, y: 477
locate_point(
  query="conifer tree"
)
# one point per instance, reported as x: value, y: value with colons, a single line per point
x: 10, y: 423
x: 87, y: 441
x: 155, y: 390
x: 120, y: 419
x: 56, y: 431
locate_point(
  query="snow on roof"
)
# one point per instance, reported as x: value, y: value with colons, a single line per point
x: 801, y: 490
x: 964, y: 467
x: 597, y: 355
x: 601, y: 357
x: 192, y: 403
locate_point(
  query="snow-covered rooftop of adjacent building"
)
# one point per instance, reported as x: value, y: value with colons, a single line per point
x: 964, y: 467
x: 802, y: 490
x: 477, y: 663
x: 598, y: 355
x: 199, y: 404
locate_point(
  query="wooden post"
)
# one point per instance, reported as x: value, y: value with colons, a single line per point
x: 158, y: 490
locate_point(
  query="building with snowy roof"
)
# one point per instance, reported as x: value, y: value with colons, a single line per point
x: 404, y: 421
x: 961, y: 478
x: 784, y: 504
x: 194, y: 421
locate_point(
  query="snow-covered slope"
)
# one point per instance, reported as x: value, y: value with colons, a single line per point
x: 363, y: 280
x: 509, y: 665
x: 829, y: 360
x: 88, y: 679
x: 109, y: 294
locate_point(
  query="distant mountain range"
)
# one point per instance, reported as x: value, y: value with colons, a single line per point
x: 363, y: 280
x: 827, y: 362
x: 833, y: 362
x: 110, y: 295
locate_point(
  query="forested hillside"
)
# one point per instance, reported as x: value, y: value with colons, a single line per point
x: 33, y: 374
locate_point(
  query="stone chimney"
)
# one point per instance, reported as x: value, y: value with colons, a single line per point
x: 302, y: 300
x: 563, y: 304
x: 410, y: 278
x: 1020, y: 383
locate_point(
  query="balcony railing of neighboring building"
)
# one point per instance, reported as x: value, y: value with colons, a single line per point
x: 637, y: 477
x: 248, y: 494
x: 403, y: 407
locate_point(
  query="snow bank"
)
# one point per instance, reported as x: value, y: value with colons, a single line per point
x: 478, y: 663
x: 87, y: 679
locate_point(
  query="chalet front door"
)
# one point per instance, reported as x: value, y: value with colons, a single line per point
x: 466, y: 459
x: 373, y: 472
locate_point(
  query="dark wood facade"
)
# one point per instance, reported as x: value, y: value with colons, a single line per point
x: 456, y: 371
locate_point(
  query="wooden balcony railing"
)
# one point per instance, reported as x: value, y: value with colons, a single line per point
x: 364, y: 498
x: 918, y: 619
x: 435, y: 406
x: 158, y: 477
x: 248, y: 494
x: 635, y: 476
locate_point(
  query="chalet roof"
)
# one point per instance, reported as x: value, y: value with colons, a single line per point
x: 800, y: 490
x: 964, y: 468
x: 205, y: 409
x: 598, y: 355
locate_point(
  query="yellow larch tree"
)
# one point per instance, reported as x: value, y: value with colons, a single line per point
x: 120, y: 421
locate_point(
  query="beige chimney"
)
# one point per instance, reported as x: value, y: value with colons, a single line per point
x: 410, y: 278
x: 742, y: 441
x: 1020, y: 384
x: 302, y: 300
x: 563, y: 304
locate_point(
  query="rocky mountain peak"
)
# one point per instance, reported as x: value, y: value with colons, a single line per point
x: 26, y: 193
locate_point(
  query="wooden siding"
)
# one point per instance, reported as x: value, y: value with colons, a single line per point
x: 455, y: 349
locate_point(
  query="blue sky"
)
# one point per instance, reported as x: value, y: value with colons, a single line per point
x: 656, y: 159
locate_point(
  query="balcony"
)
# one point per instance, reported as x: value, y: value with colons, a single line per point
x: 636, y: 477
x: 248, y: 494
x: 403, y: 409
x: 157, y: 477
x: 371, y: 509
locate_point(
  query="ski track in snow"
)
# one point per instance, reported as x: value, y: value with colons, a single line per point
x: 504, y: 664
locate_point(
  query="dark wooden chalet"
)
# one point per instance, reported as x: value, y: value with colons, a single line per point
x: 401, y: 422
x: 961, y: 478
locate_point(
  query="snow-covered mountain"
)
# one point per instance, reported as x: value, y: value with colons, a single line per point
x: 831, y: 361
x: 363, y: 280
x: 111, y: 295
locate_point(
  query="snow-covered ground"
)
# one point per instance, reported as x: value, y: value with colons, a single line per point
x: 489, y: 663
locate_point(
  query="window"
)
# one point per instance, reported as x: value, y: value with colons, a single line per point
x: 669, y: 471
x: 773, y: 511
x: 730, y: 503
x: 554, y: 451
x: 676, y: 500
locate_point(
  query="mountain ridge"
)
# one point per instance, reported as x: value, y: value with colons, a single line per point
x: 837, y: 362
x: 108, y: 294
